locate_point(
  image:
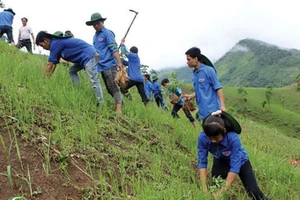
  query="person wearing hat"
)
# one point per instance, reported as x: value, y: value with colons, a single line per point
x: 83, y: 55
x: 24, y: 36
x: 157, y: 92
x: 134, y: 72
x: 230, y: 158
x: 105, y: 44
x: 6, y: 21
x: 208, y: 90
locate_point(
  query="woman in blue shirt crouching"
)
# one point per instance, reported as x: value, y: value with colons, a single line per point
x: 230, y: 158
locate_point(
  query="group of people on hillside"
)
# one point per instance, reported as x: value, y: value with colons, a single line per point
x: 25, y: 32
x: 230, y: 159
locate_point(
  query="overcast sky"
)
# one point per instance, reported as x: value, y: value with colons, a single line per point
x: 165, y: 29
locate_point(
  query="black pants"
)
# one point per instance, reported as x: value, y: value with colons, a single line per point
x: 221, y: 168
x: 25, y: 43
x: 140, y: 88
x: 9, y: 32
x: 176, y: 108
x: 159, y: 99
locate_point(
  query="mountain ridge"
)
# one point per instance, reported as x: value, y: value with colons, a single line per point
x: 251, y: 63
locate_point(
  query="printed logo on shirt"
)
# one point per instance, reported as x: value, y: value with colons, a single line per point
x: 201, y: 80
x: 226, y: 153
x: 100, y: 39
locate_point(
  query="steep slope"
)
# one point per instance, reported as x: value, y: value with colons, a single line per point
x: 251, y: 63
x: 55, y: 144
x: 257, y: 64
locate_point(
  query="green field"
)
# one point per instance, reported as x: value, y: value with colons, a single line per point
x: 55, y: 143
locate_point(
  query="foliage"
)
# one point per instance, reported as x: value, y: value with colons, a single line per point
x: 269, y: 94
x: 298, y: 82
x: 153, y: 71
x: 285, y: 120
x: 252, y: 63
x: 144, y: 69
x: 243, y: 93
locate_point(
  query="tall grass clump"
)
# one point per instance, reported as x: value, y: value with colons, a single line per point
x: 143, y: 153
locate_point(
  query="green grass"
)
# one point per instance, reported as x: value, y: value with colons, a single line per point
x: 143, y: 153
x: 283, y: 112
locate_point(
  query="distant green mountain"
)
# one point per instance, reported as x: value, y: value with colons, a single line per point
x: 252, y: 63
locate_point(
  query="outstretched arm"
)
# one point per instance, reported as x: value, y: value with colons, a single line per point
x: 203, y: 176
x: 189, y: 97
x: 49, y: 69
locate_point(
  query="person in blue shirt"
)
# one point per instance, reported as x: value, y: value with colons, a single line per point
x: 83, y: 55
x: 147, y: 87
x: 6, y: 21
x: 105, y: 44
x: 134, y: 72
x: 156, y: 89
x: 230, y: 158
x: 208, y: 90
x: 176, y: 96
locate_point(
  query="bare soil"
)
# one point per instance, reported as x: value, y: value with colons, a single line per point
x: 29, y: 178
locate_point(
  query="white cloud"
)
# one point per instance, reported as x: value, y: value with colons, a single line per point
x: 165, y: 29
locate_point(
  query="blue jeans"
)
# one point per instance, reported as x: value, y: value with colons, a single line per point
x: 92, y: 72
x: 9, y: 32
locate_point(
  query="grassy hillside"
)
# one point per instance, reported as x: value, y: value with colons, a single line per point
x: 282, y: 113
x: 251, y: 63
x: 55, y: 143
x: 257, y: 64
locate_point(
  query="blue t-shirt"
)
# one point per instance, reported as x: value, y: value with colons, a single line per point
x: 6, y: 18
x: 230, y: 148
x: 177, y: 91
x: 156, y: 89
x: 206, y: 84
x: 134, y: 65
x: 105, y: 44
x: 71, y: 49
x: 147, y: 88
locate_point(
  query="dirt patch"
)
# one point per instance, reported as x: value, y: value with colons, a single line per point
x: 31, y: 176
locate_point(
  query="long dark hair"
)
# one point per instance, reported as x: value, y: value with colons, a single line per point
x: 148, y: 77
x: 213, y: 126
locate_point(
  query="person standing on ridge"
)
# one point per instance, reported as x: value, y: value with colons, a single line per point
x: 134, y: 72
x: 24, y: 36
x: 147, y: 87
x: 6, y: 21
x: 105, y: 44
x: 157, y: 92
x: 208, y: 90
